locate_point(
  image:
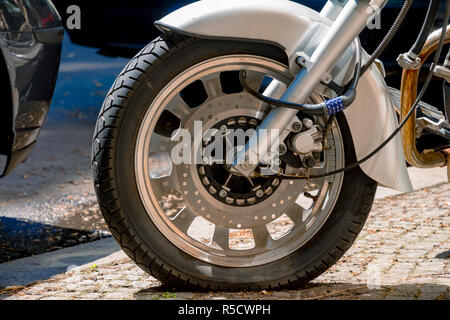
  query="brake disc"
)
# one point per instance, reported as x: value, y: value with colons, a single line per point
x: 205, y: 187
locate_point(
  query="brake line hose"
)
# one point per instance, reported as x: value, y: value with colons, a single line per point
x: 327, y: 108
x: 389, y: 36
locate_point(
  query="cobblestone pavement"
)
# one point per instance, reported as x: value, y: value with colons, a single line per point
x: 402, y: 253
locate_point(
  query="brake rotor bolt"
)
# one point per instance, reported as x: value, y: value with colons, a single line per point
x: 297, y: 126
x: 259, y: 193
x: 206, y: 181
x: 212, y: 190
x: 222, y: 193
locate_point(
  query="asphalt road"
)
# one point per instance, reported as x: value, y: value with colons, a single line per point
x: 48, y: 203
x: 54, y: 186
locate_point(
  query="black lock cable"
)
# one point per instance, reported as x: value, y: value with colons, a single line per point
x: 339, y: 104
x: 408, y: 116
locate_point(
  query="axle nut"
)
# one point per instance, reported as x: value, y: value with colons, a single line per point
x: 310, y: 162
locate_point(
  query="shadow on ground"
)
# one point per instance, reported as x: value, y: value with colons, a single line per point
x: 21, y: 238
x: 54, y: 186
x: 23, y: 273
x: 444, y: 255
x: 326, y: 291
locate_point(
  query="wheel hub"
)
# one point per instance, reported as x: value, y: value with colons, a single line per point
x: 235, y: 203
x: 233, y: 188
x: 181, y: 205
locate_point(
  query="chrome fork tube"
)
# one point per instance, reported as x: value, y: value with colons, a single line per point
x: 332, y: 9
x: 348, y: 25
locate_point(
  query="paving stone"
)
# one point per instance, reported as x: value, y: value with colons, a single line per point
x: 402, y: 240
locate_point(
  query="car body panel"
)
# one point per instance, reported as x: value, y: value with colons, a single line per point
x: 26, y: 16
x: 297, y: 28
x: 30, y: 42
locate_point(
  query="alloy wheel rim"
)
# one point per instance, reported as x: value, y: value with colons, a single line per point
x: 180, y: 203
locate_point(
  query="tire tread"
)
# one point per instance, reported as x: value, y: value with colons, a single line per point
x: 105, y: 185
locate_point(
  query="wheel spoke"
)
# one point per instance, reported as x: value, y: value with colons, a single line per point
x: 160, y: 143
x: 229, y: 143
x: 262, y: 237
x: 160, y: 168
x: 179, y: 108
x: 166, y: 183
x: 221, y: 237
x: 295, y: 213
x: 184, y: 219
x: 213, y: 86
x: 313, y: 184
x: 254, y: 79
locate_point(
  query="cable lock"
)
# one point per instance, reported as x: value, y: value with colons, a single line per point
x: 327, y: 108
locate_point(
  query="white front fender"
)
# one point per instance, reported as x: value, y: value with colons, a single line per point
x: 296, y: 28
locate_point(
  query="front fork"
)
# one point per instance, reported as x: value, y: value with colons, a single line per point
x: 350, y: 18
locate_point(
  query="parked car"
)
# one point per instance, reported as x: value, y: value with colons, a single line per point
x: 30, y: 41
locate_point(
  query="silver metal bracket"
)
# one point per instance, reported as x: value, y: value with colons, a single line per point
x: 304, y: 61
x: 380, y: 65
x: 409, y: 61
x: 442, y: 72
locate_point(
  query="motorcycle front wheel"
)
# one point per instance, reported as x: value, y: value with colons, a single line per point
x: 199, y: 226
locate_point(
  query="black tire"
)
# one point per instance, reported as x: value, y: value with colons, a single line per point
x: 115, y: 185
